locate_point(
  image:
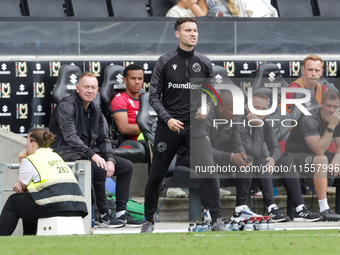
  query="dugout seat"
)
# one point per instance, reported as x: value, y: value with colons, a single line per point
x: 88, y: 8
x: 66, y: 83
x: 113, y: 84
x: 268, y: 75
x: 219, y: 72
x: 161, y: 7
x: 327, y: 8
x: 129, y: 9
x: 10, y: 8
x: 295, y: 112
x: 295, y: 8
x: 44, y: 8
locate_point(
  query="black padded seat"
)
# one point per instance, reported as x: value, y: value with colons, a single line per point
x: 296, y: 113
x: 66, y: 83
x: 88, y: 8
x: 44, y: 8
x: 146, y: 119
x: 328, y: 8
x: 10, y: 8
x: 269, y: 75
x: 131, y: 150
x: 295, y: 8
x: 112, y: 84
x: 129, y: 9
x: 220, y: 72
x: 328, y: 85
x: 161, y: 7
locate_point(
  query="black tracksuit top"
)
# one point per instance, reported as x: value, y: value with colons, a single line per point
x: 170, y: 84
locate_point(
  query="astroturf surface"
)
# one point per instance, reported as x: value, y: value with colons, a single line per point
x: 254, y: 242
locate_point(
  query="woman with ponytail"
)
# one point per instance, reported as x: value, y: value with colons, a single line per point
x: 46, y: 187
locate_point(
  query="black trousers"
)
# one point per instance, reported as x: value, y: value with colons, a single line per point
x: 23, y: 206
x: 290, y: 181
x: 243, y: 181
x: 123, y: 171
x: 166, y: 145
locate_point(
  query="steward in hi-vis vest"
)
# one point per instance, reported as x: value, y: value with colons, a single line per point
x: 58, y: 189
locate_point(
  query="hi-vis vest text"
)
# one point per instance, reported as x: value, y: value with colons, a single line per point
x: 58, y: 189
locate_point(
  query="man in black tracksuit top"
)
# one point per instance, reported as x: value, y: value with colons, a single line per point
x: 180, y: 121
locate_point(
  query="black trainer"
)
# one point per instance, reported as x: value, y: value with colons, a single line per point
x: 108, y: 220
x: 130, y: 221
x: 306, y: 215
x: 277, y: 215
x: 329, y: 215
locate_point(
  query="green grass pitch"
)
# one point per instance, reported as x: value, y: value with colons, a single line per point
x: 254, y: 242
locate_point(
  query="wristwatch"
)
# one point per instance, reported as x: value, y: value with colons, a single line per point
x: 330, y: 130
x: 112, y: 160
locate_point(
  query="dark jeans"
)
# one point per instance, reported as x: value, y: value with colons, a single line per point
x: 23, y: 206
x: 166, y: 146
x: 290, y: 181
x: 123, y: 171
x: 243, y: 181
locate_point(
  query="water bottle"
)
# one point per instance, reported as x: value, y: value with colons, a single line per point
x: 256, y: 225
x: 263, y: 225
x: 226, y: 224
x: 248, y: 226
x: 234, y: 226
x: 270, y: 224
x: 205, y: 227
x: 199, y: 227
x: 241, y: 226
x: 191, y: 227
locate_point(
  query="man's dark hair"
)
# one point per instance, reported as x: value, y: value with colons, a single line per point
x: 180, y: 21
x: 132, y: 67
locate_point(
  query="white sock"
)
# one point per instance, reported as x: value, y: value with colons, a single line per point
x: 239, y: 208
x: 299, y: 208
x: 323, y: 204
x: 271, y: 207
x: 120, y: 213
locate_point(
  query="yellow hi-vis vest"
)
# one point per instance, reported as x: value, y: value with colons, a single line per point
x: 58, y: 189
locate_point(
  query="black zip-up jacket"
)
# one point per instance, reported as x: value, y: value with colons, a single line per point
x: 224, y: 139
x: 67, y: 124
x: 171, y: 95
x: 253, y: 139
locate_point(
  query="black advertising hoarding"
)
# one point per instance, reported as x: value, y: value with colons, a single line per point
x: 26, y: 86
